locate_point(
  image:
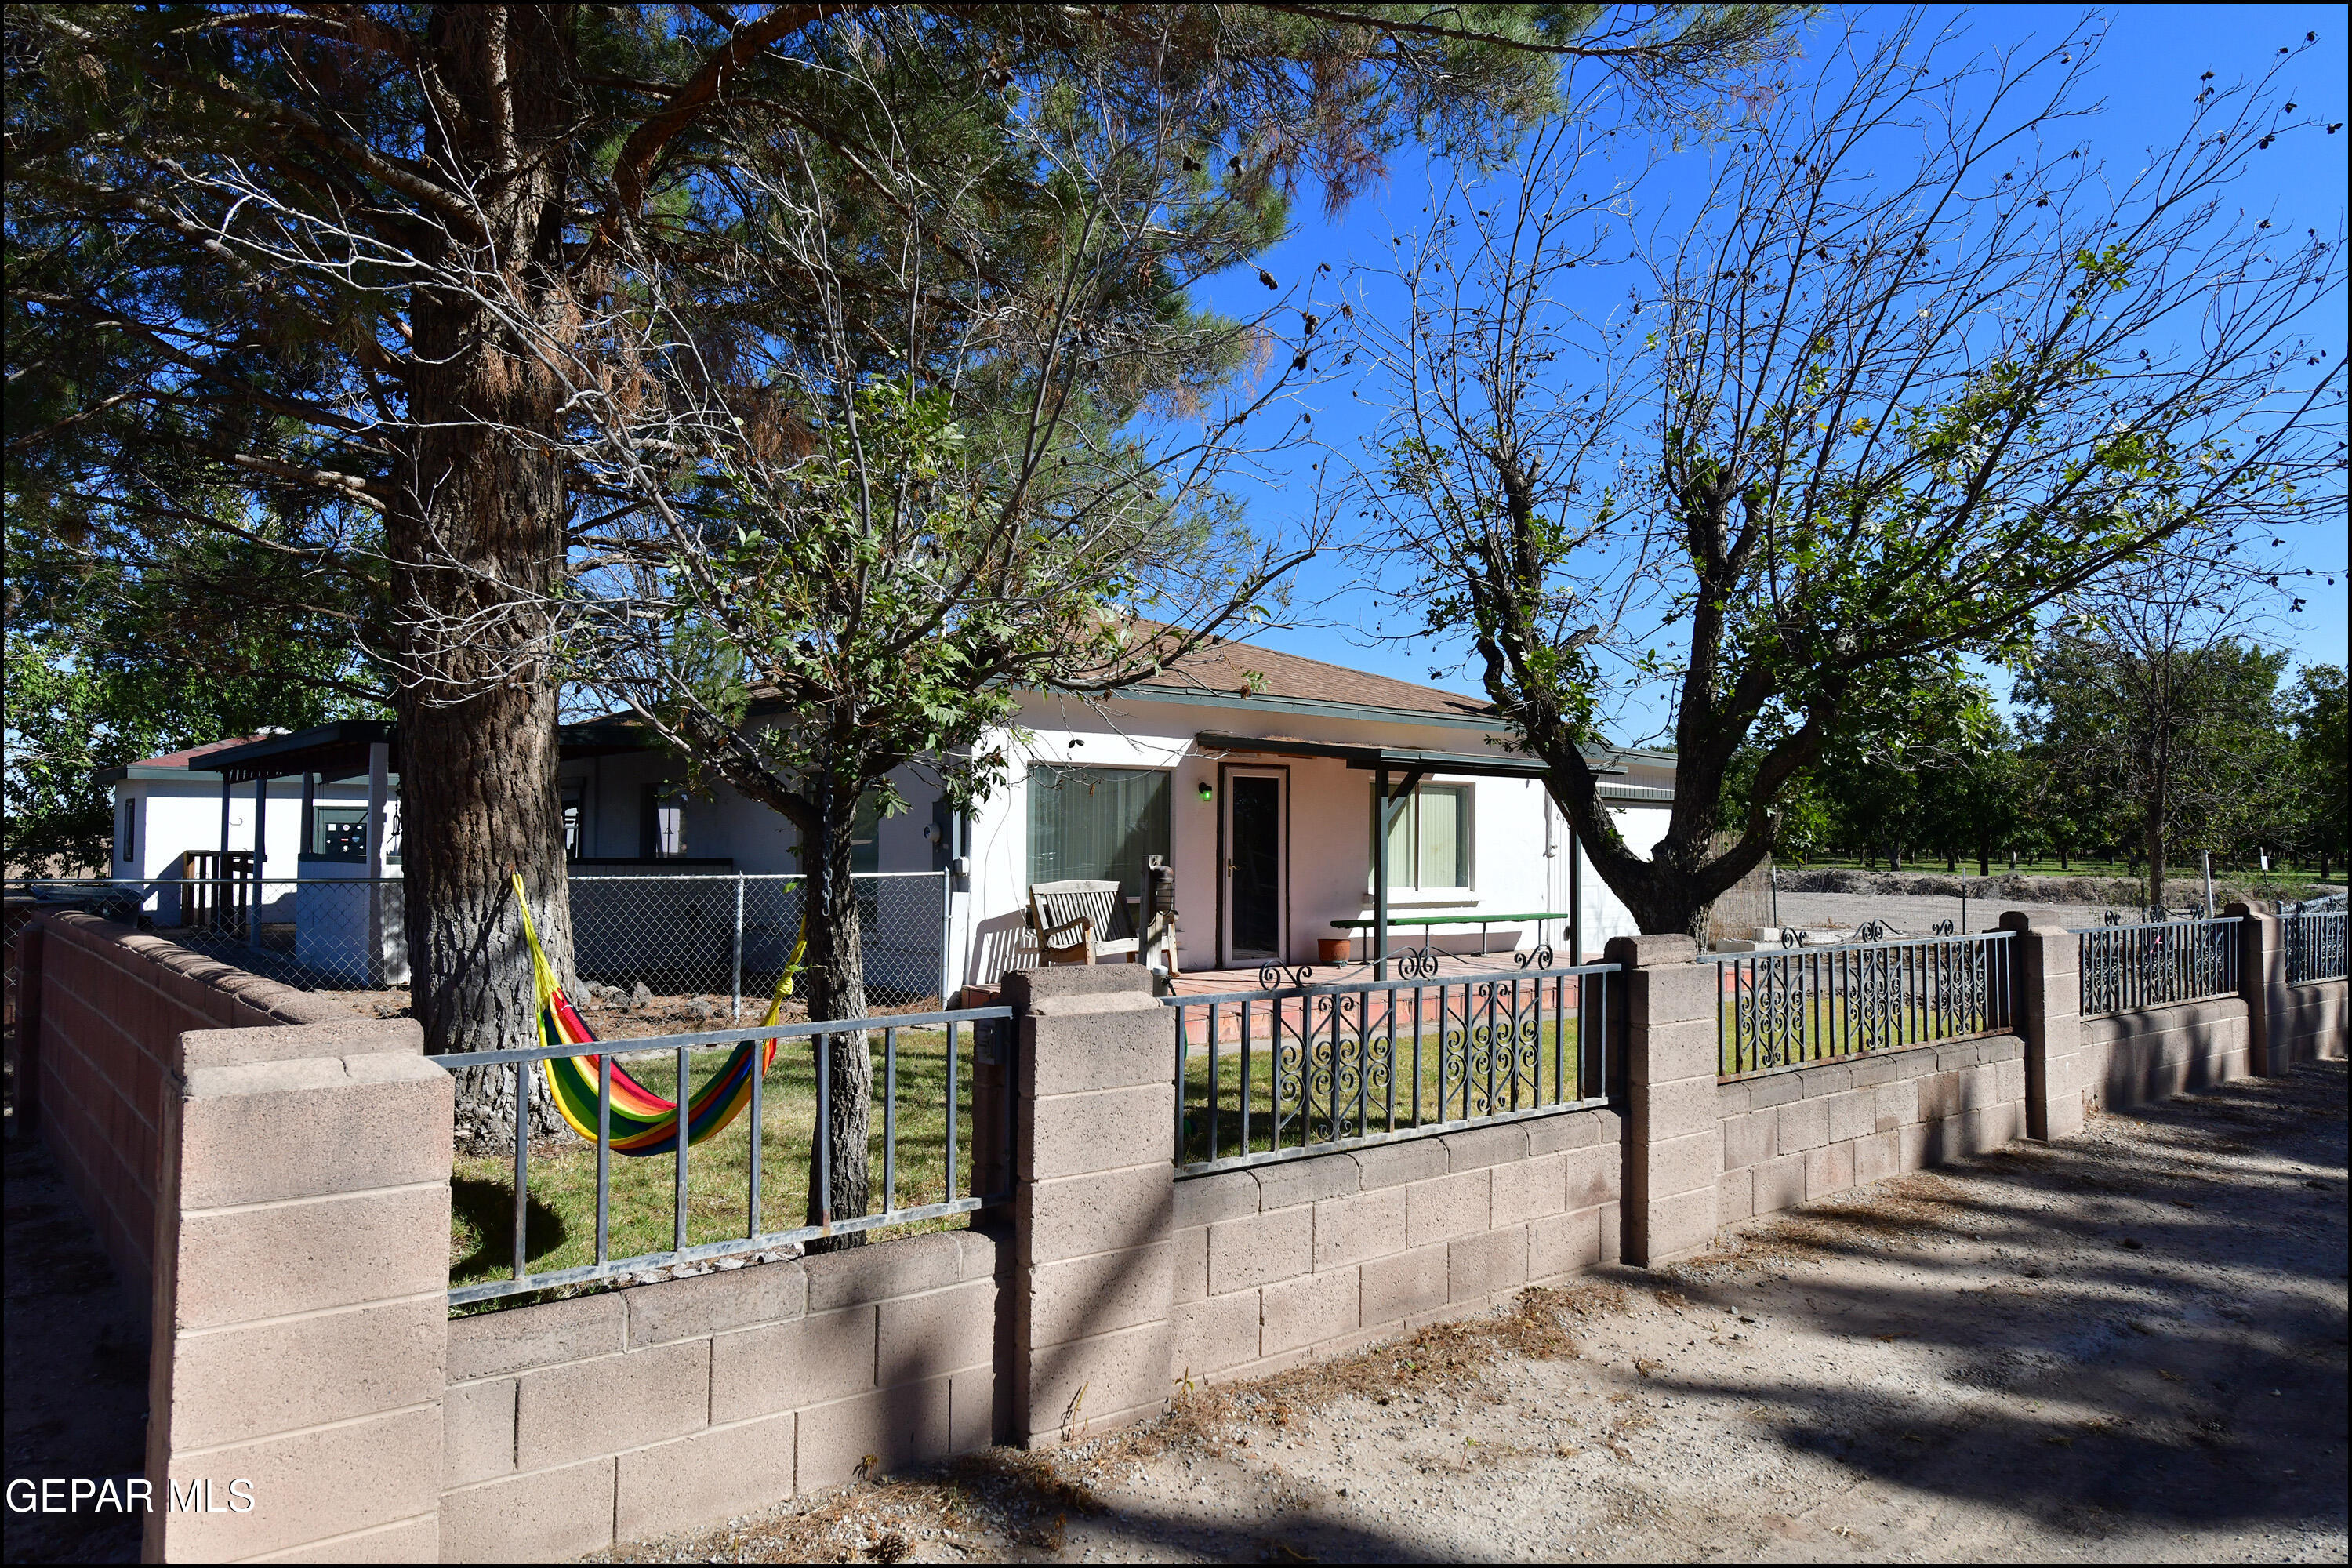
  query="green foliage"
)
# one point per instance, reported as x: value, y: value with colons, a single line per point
x: 68, y: 718
x: 2322, y: 805
x: 2186, y: 749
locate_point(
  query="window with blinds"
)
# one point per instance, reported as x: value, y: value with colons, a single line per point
x: 1095, y: 823
x: 1429, y: 843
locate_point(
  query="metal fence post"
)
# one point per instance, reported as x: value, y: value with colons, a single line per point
x: 947, y: 925
x: 737, y: 1016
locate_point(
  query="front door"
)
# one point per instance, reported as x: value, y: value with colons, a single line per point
x: 1256, y: 856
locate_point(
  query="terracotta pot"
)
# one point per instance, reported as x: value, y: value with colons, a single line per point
x: 1333, y: 950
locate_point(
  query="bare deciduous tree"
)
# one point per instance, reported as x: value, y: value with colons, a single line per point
x: 1915, y: 366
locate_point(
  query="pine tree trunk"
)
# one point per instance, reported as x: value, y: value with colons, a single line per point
x: 837, y: 989
x: 477, y: 543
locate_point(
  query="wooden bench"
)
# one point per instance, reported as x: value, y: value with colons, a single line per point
x: 1081, y: 921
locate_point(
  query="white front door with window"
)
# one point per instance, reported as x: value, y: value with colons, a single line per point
x: 1256, y: 832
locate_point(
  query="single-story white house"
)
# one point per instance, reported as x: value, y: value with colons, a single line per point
x: 1251, y: 773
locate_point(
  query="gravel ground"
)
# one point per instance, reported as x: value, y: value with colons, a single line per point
x: 1915, y: 915
x: 2126, y: 1347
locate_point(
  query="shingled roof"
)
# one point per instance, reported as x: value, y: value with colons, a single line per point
x: 1223, y: 666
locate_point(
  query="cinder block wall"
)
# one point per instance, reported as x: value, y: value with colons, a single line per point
x: 1277, y: 1263
x: 2155, y: 1053
x: 574, y: 1424
x: 301, y: 1302
x: 1800, y: 1133
x: 105, y: 1006
x: 2311, y: 1020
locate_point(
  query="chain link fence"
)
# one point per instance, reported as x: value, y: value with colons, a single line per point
x: 712, y: 945
x: 731, y: 936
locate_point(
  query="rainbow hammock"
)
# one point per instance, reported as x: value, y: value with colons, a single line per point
x: 643, y: 1121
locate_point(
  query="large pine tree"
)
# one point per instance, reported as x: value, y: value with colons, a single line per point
x: 279, y: 273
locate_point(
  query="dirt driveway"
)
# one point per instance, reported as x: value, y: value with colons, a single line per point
x: 2126, y: 1347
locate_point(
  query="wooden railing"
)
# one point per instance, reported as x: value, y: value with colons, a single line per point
x: 218, y: 894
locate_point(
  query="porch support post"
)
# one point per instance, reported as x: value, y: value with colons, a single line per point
x: 260, y: 854
x: 1381, y: 875
x: 1575, y: 893
x: 379, y: 792
x: 219, y: 896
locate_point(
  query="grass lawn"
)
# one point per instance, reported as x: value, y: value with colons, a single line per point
x: 560, y: 1228
x: 1556, y: 1048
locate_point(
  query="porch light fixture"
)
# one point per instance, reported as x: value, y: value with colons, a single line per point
x: 1207, y: 792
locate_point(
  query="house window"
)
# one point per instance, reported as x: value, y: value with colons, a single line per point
x: 338, y: 832
x: 865, y: 837
x: 572, y: 803
x: 1097, y: 823
x: 126, y: 831
x: 664, y: 828
x: 1429, y: 842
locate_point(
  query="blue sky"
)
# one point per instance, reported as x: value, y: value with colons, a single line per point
x: 2148, y: 70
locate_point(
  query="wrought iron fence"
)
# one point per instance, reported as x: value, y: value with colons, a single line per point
x: 2315, y: 940
x: 1808, y: 1004
x: 957, y: 1052
x: 697, y: 943
x: 2153, y: 965
x: 1286, y: 1071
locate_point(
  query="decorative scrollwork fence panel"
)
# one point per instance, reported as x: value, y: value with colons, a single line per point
x: 1294, y: 1069
x: 2315, y: 942
x: 2153, y: 965
x: 1800, y: 1006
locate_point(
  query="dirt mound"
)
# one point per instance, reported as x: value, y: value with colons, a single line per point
x: 2122, y: 892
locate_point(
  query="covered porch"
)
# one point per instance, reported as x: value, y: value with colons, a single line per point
x: 1427, y: 841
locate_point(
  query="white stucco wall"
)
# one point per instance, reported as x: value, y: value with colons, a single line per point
x: 170, y: 816
x: 1520, y: 843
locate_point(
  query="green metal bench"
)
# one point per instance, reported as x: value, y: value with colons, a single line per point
x: 1424, y: 957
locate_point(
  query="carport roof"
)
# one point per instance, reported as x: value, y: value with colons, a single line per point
x: 340, y: 750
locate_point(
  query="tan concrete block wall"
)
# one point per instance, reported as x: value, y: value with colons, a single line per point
x: 299, y: 1309
x: 1276, y: 1264
x: 1089, y: 1326
x: 106, y: 1008
x: 2153, y: 1053
x: 572, y: 1425
x: 2045, y: 964
x: 1800, y: 1133
x: 1672, y: 1147
x: 2311, y: 1020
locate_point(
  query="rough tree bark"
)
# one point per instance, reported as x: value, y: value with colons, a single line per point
x: 478, y: 530
x: 837, y: 989
x: 2152, y: 834
x: 823, y: 811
